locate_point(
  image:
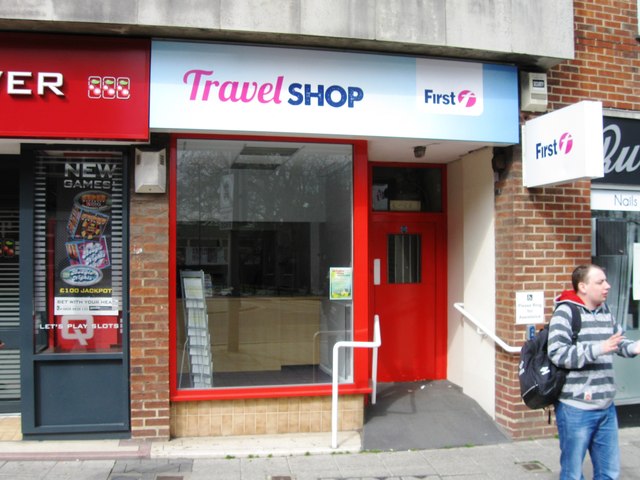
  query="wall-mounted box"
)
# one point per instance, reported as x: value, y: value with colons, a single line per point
x: 534, y: 95
x: 150, y: 171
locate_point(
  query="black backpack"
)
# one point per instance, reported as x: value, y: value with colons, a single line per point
x: 540, y: 380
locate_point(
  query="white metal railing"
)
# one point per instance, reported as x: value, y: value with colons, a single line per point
x: 482, y: 330
x: 374, y: 374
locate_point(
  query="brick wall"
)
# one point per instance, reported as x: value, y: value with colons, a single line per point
x: 542, y: 233
x: 606, y: 57
x: 149, y: 317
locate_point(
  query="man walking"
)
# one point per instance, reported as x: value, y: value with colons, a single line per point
x: 585, y: 412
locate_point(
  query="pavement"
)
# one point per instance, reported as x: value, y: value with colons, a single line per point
x: 289, y: 457
x: 427, y: 415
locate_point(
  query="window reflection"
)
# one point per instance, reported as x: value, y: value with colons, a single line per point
x: 263, y: 222
x: 615, y: 237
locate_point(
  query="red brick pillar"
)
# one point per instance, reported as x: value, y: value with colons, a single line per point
x: 149, y: 318
x: 541, y: 235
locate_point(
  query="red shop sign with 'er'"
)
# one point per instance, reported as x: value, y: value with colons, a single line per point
x: 76, y: 87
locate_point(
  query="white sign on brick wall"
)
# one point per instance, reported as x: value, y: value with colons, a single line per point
x: 563, y: 146
x: 529, y: 307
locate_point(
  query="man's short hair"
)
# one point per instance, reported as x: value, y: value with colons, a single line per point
x: 581, y: 273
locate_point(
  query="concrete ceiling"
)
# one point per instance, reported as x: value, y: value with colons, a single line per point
x: 402, y: 150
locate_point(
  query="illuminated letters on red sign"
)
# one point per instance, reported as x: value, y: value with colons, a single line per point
x: 23, y: 83
x: 87, y: 95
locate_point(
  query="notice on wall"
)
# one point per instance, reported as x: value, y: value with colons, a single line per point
x: 83, y: 282
x: 340, y: 283
x: 529, y: 307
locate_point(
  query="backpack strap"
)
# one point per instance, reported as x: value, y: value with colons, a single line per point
x: 576, y: 321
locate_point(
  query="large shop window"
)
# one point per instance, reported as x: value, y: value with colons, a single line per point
x: 616, y: 244
x: 616, y: 247
x: 78, y: 254
x: 263, y: 260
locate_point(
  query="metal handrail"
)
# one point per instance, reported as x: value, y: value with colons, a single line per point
x: 374, y: 374
x: 482, y: 330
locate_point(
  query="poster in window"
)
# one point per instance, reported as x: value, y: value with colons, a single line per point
x: 340, y: 283
x: 83, y: 280
x: 380, y: 198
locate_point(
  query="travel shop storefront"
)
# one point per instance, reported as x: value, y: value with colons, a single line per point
x: 285, y: 238
x: 192, y: 277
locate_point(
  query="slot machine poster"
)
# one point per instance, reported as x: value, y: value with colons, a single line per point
x: 83, y: 280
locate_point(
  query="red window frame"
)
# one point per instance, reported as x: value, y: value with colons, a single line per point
x: 362, y: 327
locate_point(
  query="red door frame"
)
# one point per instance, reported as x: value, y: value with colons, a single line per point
x: 362, y: 281
x: 439, y: 220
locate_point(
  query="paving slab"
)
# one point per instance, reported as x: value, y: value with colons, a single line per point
x: 426, y: 415
x: 258, y: 446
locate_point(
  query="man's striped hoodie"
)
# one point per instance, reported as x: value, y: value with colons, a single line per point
x: 590, y: 383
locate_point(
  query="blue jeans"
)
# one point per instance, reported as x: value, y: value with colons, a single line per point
x: 592, y: 430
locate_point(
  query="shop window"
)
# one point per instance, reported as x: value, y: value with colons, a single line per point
x: 406, y: 189
x: 259, y: 226
x: 616, y: 248
x: 78, y: 251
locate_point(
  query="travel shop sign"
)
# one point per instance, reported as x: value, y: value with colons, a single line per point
x: 234, y: 88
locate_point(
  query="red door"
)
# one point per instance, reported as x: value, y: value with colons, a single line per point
x: 406, y: 297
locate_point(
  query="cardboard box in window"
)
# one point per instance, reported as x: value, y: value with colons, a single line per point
x: 404, y: 205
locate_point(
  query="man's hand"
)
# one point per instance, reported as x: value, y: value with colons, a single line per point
x: 611, y: 343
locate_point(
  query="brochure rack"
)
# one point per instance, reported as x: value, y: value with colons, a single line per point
x: 197, y: 345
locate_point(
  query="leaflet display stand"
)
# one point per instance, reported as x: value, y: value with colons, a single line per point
x: 197, y: 345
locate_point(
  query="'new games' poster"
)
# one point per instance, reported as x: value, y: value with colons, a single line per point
x: 83, y: 282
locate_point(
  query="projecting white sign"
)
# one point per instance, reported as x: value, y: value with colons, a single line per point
x: 563, y: 146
